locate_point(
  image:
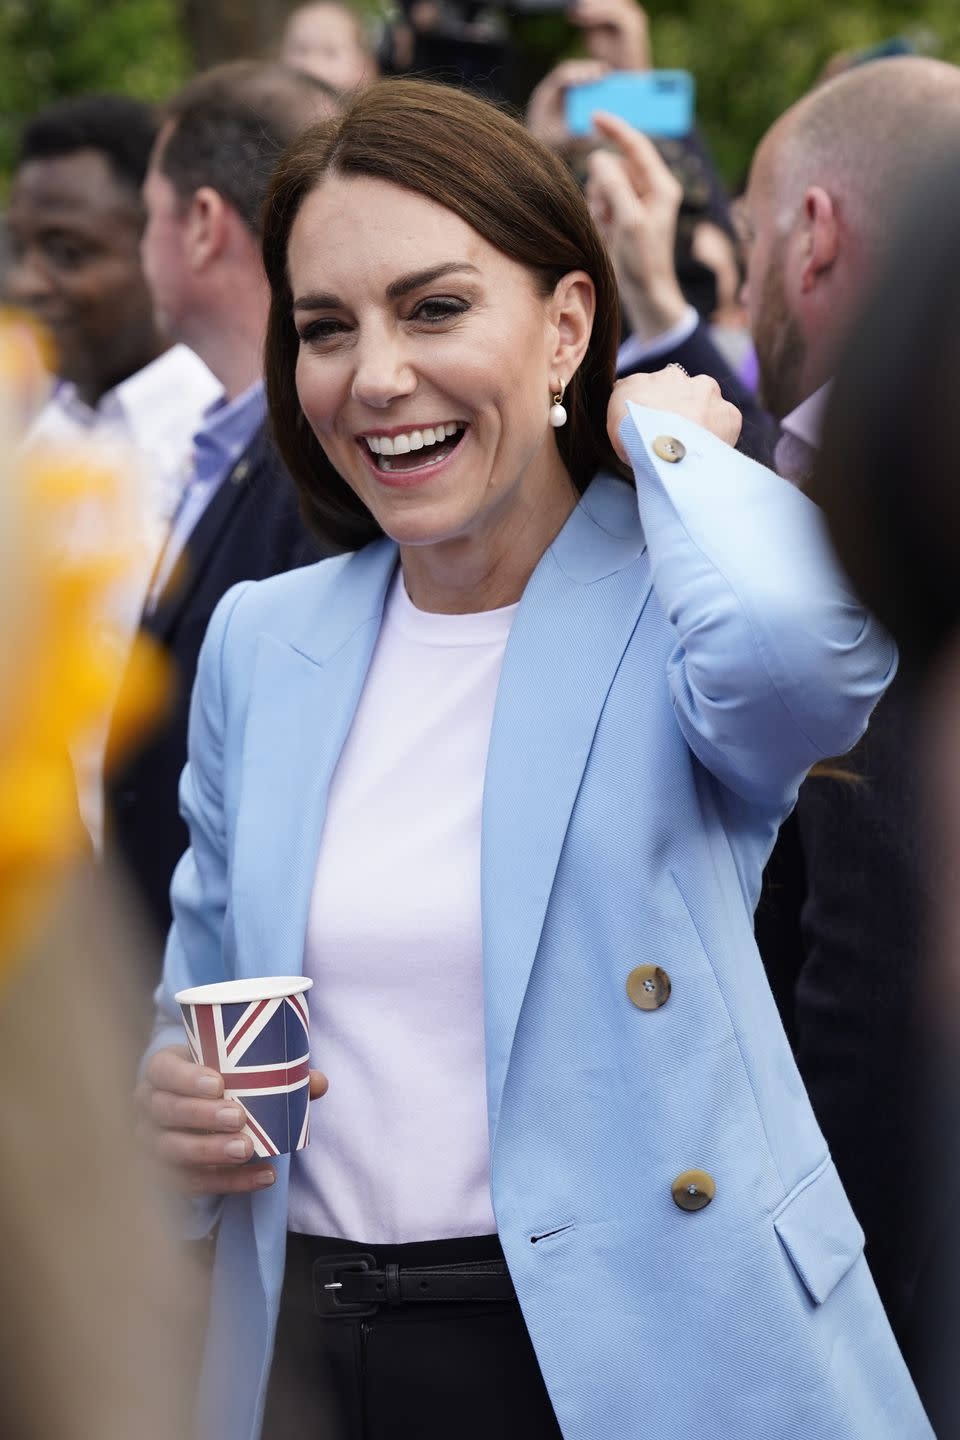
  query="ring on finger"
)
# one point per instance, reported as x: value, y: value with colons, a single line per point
x: 675, y: 365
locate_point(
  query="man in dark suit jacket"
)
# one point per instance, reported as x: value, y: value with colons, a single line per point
x: 238, y: 516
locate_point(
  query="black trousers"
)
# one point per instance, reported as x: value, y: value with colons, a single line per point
x: 462, y: 1370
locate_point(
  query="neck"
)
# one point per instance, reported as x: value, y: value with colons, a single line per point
x: 232, y: 348
x: 489, y: 568
x: 92, y: 391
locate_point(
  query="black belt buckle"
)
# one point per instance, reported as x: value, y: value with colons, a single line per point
x: 327, y: 1285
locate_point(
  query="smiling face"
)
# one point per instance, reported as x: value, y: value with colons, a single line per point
x: 74, y: 233
x: 426, y: 368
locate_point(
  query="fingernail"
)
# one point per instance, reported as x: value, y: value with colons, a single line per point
x: 266, y: 1177
x: 236, y: 1149
x: 208, y: 1085
x: 229, y: 1118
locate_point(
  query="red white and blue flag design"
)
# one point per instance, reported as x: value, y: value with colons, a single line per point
x: 262, y: 1050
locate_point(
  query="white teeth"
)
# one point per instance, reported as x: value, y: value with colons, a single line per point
x: 412, y: 440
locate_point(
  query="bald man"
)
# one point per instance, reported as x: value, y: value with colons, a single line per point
x: 841, y: 921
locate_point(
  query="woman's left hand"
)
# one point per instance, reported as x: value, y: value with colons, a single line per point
x: 697, y: 398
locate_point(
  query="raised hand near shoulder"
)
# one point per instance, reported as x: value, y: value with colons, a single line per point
x: 697, y: 398
x: 184, y: 1121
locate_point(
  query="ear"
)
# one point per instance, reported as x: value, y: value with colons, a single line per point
x: 206, y: 228
x: 821, y: 238
x: 570, y: 310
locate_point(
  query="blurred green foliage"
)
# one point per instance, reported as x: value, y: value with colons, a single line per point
x: 753, y: 58
x: 53, y: 48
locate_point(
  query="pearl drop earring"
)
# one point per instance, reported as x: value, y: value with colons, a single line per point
x: 558, y: 415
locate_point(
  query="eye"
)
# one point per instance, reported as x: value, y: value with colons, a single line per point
x: 66, y: 252
x: 316, y: 332
x: 438, y: 308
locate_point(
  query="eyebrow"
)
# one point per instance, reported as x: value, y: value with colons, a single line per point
x: 396, y: 290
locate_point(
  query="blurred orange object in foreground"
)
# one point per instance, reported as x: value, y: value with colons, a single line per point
x: 63, y: 544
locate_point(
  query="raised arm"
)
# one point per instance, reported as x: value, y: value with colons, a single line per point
x: 776, y: 663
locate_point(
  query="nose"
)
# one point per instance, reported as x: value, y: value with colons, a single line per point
x: 383, y: 371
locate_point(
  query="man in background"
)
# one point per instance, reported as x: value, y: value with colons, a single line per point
x: 207, y: 180
x: 74, y: 224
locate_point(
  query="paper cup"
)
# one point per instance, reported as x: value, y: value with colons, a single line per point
x: 257, y: 1034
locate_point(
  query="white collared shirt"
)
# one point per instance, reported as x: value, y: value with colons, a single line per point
x: 143, y: 430
x: 150, y: 419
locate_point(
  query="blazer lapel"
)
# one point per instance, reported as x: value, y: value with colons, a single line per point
x: 203, y: 538
x: 576, y: 618
x: 304, y: 693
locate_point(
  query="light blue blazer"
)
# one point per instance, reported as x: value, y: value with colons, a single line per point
x: 665, y: 687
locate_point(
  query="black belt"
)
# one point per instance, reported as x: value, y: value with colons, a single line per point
x: 352, y: 1285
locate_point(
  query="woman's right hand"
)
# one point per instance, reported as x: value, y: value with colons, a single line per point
x: 196, y: 1135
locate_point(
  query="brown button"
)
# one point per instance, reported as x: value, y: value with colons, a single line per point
x: 693, y: 1189
x: 648, y: 987
x: 666, y: 448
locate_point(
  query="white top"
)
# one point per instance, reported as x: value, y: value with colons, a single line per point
x: 399, y: 1149
x: 143, y: 429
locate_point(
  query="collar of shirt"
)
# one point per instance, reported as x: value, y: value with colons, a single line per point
x: 148, y: 403
x: 796, y: 450
x: 228, y: 428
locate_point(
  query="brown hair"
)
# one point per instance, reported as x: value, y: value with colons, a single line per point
x: 469, y: 156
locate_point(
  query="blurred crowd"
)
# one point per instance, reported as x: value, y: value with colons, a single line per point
x: 817, y: 299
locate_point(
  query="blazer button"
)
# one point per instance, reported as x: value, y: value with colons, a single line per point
x: 648, y: 987
x: 693, y: 1189
x: 665, y: 447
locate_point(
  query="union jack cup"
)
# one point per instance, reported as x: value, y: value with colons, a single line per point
x: 257, y: 1034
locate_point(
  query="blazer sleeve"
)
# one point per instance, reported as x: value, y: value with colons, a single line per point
x: 776, y: 664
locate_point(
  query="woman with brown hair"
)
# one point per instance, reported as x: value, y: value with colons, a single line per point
x: 502, y: 783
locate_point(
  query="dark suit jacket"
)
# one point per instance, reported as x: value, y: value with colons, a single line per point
x: 250, y: 529
x: 841, y: 927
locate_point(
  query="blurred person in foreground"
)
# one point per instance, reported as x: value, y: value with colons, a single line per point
x: 842, y: 921
x: 238, y: 519
x: 502, y: 782
x: 96, y: 1324
x: 74, y: 222
x: 329, y: 41
x: 887, y: 479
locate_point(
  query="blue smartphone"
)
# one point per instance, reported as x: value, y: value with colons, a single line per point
x: 658, y: 102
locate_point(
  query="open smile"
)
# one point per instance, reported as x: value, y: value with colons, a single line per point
x: 411, y: 453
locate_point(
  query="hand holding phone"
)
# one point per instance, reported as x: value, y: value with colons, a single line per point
x: 635, y: 200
